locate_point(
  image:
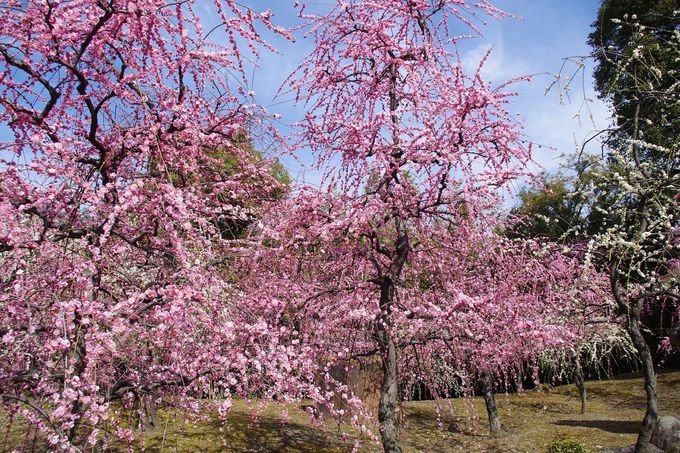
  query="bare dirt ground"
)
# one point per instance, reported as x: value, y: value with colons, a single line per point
x: 532, y: 420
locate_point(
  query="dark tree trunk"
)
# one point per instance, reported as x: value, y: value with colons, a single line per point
x: 77, y: 357
x: 389, y: 390
x: 633, y: 311
x: 146, y: 411
x: 643, y: 444
x: 675, y: 334
x: 580, y: 382
x: 491, y: 409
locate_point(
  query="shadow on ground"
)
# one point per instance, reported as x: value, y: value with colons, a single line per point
x: 612, y: 426
x: 421, y: 418
x: 243, y: 434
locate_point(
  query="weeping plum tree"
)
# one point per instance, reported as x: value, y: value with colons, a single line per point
x: 112, y: 265
x: 113, y: 286
x: 414, y: 150
x: 387, y: 97
x: 529, y: 300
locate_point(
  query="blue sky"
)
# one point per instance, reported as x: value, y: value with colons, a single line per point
x: 545, y: 32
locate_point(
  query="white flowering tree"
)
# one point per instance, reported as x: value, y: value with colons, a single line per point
x: 635, y: 185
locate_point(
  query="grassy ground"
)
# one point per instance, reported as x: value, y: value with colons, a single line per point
x: 532, y: 420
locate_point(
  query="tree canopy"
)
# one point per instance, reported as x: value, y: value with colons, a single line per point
x: 636, y: 67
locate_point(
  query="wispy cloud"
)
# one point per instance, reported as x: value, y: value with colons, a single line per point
x: 497, y: 67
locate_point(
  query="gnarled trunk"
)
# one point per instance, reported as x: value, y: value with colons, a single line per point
x: 145, y: 406
x: 633, y: 311
x: 389, y: 390
x: 491, y: 409
x: 643, y: 444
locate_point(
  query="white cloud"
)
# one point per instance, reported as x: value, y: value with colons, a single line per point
x: 497, y: 67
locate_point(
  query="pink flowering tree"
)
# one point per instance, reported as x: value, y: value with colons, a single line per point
x: 115, y: 284
x: 528, y: 299
x: 414, y: 151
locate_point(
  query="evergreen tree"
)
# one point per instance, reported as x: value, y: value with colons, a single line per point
x: 650, y: 63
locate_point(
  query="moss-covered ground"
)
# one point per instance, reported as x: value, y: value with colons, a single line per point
x: 532, y: 420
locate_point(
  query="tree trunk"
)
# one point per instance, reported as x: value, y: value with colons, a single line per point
x: 77, y: 358
x: 634, y: 326
x: 79, y: 352
x: 491, y: 409
x: 675, y: 334
x: 580, y: 382
x: 389, y: 391
x: 147, y: 416
x: 643, y: 444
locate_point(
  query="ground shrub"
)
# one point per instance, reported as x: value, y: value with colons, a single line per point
x: 567, y: 446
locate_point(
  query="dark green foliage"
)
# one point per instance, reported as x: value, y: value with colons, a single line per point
x: 274, y: 185
x: 547, y: 211
x: 636, y: 86
x: 560, y: 208
x: 636, y: 49
x: 635, y: 46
